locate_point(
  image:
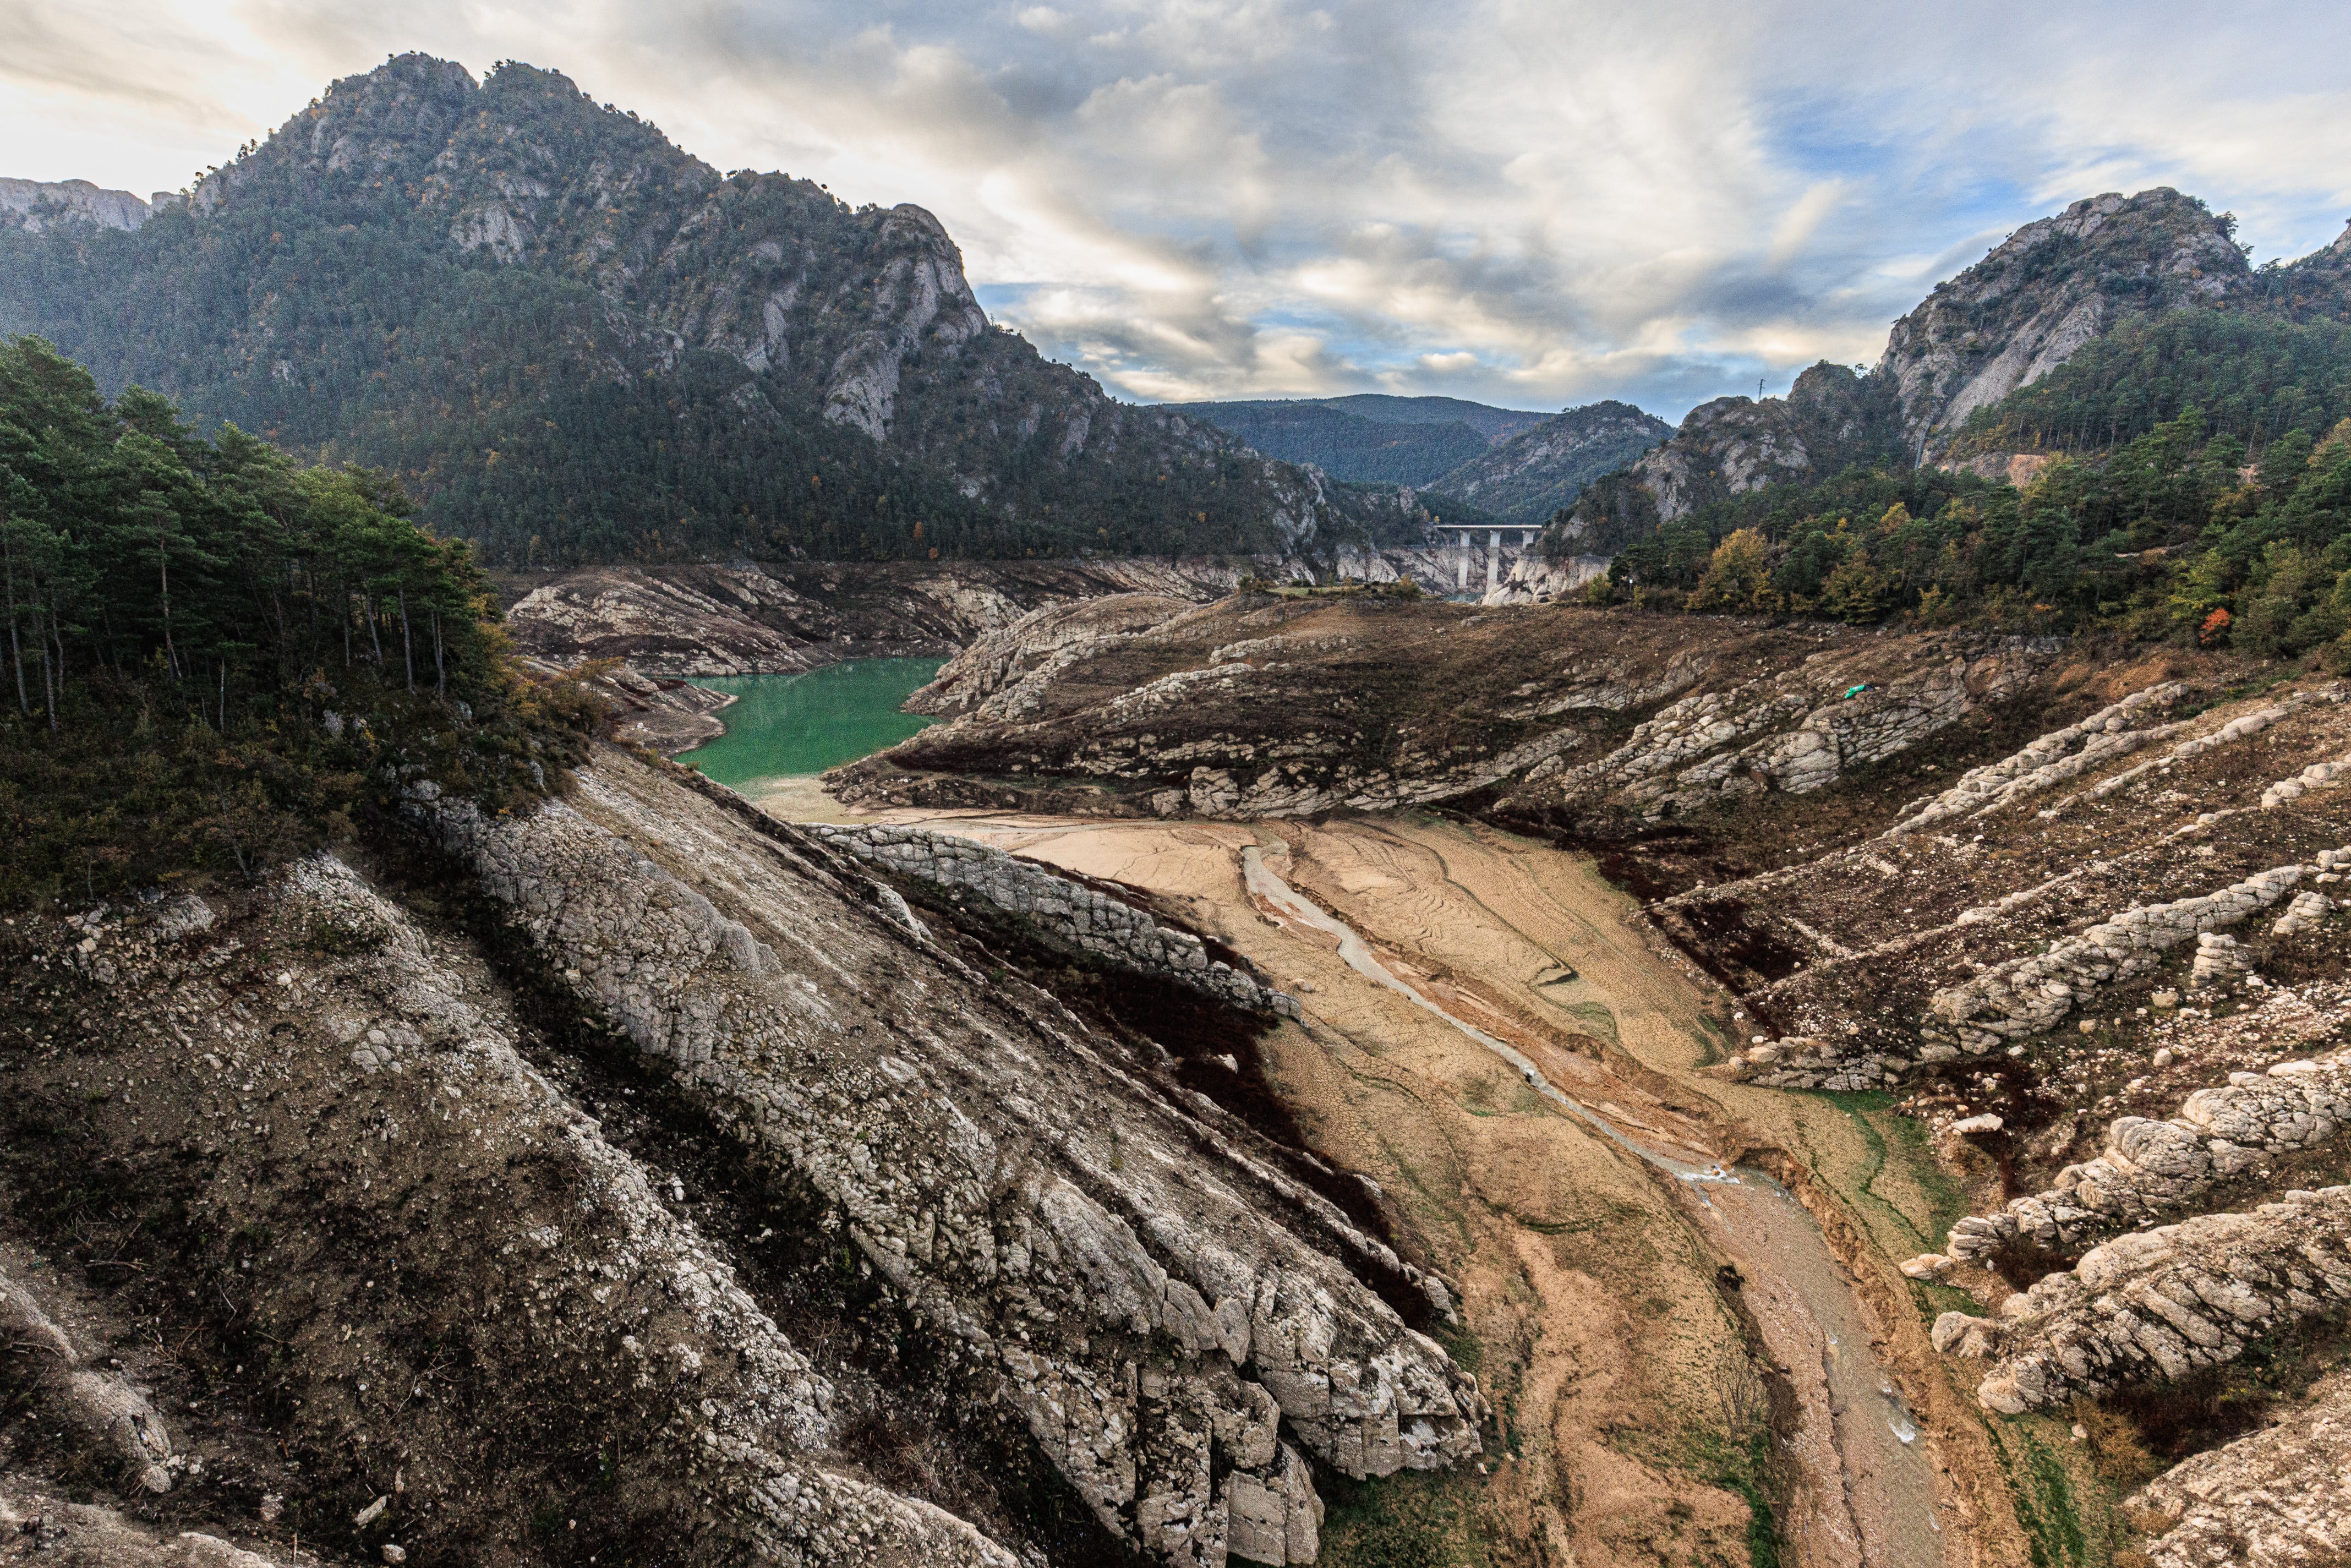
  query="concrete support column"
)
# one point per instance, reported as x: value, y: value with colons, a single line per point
x: 1493, y: 559
x: 1461, y: 578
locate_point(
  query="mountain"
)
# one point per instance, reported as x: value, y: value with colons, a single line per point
x: 1368, y: 437
x: 1496, y: 424
x: 1532, y: 474
x: 1509, y: 463
x: 574, y: 341
x: 1342, y: 445
x: 39, y: 205
x: 2158, y: 269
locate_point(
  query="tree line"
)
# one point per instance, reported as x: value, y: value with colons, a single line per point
x: 215, y: 654
x: 2179, y: 533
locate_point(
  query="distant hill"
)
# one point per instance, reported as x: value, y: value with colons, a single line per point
x: 573, y: 341
x: 1496, y: 424
x: 1373, y: 437
x: 1344, y: 446
x: 1534, y: 474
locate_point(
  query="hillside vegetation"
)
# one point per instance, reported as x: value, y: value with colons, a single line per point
x: 571, y: 341
x: 216, y: 658
x: 2112, y: 421
x: 1342, y: 445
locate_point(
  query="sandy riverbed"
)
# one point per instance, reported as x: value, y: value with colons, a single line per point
x: 1592, y: 1277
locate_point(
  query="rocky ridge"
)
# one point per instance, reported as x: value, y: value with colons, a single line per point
x: 2003, y: 323
x: 399, y: 1193
x: 2148, y: 1167
x: 36, y: 204
x: 2155, y: 1305
x: 1269, y: 708
x: 991, y: 1166
x: 1080, y: 917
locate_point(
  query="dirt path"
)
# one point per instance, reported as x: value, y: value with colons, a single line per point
x: 1630, y: 1376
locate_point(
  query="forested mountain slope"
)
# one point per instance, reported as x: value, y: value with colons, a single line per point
x: 1537, y: 472
x: 1968, y: 371
x: 1344, y: 444
x: 572, y: 340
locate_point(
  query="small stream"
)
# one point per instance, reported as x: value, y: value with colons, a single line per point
x: 1883, y: 1510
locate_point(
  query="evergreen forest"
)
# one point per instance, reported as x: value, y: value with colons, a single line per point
x: 217, y: 657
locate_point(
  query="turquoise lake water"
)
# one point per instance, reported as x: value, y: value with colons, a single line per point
x: 788, y: 726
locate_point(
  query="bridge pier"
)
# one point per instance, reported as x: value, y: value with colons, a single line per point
x: 1493, y: 559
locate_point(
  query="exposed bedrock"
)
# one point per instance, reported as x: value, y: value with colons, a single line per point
x: 1167, y: 1310
x: 2031, y: 994
x: 1982, y: 919
x: 471, y: 1298
x: 2280, y: 1498
x: 1797, y: 732
x: 101, y: 1410
x: 2155, y: 1305
x: 1082, y: 917
x: 1260, y: 708
x: 2148, y: 1168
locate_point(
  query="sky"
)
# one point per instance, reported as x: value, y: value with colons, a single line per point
x: 1531, y: 205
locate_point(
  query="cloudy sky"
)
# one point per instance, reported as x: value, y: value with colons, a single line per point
x: 1529, y: 204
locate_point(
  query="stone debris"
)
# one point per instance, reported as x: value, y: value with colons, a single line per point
x: 2155, y: 1305
x: 35, y: 1528
x: 1035, y: 1207
x: 2150, y: 1168
x: 2278, y: 1498
x: 2307, y: 910
x: 2028, y: 994
x: 104, y: 1410
x: 2051, y: 759
x: 1097, y: 922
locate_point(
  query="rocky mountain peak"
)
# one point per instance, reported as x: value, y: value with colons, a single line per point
x: 37, y: 203
x: 2047, y: 289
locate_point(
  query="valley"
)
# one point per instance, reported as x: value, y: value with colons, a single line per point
x: 671, y: 900
x: 1482, y: 1035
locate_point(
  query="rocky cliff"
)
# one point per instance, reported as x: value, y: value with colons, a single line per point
x: 37, y: 204
x: 2047, y: 289
x: 2026, y: 307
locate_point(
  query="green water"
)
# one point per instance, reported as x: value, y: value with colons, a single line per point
x: 782, y: 726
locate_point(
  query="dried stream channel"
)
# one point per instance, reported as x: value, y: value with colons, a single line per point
x: 1456, y: 985
x: 1872, y: 1482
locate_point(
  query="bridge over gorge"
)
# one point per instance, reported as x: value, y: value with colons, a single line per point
x: 1522, y: 537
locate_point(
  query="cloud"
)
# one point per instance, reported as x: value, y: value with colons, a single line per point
x: 1532, y: 200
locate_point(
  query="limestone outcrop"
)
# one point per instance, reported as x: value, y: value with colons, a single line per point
x: 2278, y: 1498
x: 1261, y: 706
x: 2050, y: 760
x: 2028, y: 994
x: 104, y: 1411
x: 2156, y: 1304
x: 1085, y: 917
x: 1795, y: 733
x: 1144, y: 1284
x: 2150, y: 1168
x: 455, y: 1268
